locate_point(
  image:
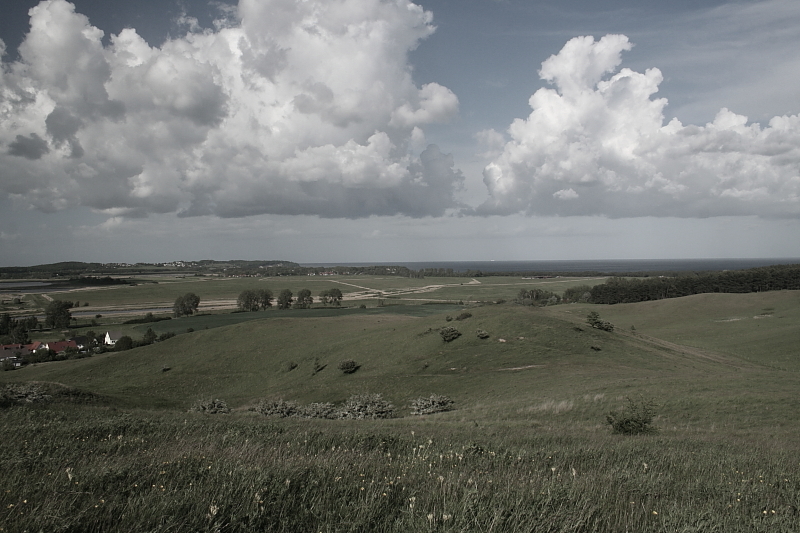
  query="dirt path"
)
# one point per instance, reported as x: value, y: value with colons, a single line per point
x: 687, y: 351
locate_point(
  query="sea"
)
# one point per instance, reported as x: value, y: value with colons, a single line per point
x: 587, y: 265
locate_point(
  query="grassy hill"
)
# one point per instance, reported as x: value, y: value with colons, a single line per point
x: 527, y: 448
x: 537, y: 363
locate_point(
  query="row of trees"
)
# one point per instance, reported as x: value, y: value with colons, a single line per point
x: 541, y: 297
x: 254, y: 300
x: 626, y: 290
x: 250, y: 300
x: 15, y: 330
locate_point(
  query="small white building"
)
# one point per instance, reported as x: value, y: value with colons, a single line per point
x: 112, y: 337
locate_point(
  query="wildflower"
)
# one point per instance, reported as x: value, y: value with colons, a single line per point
x: 430, y: 517
x: 655, y: 512
x: 446, y: 517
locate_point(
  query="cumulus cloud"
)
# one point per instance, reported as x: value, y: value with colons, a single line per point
x: 596, y: 144
x: 286, y: 107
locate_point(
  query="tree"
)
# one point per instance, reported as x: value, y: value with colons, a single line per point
x: 186, y: 304
x: 149, y: 336
x: 123, y: 343
x: 57, y: 314
x: 285, y: 299
x: 264, y: 297
x: 304, y: 299
x: 248, y: 300
x: 331, y: 296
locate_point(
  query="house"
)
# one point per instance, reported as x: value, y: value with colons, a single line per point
x: 82, y: 341
x: 13, y: 350
x: 112, y: 337
x: 19, y: 349
x: 61, y: 346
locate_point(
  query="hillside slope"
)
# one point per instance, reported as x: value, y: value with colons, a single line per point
x: 534, y: 364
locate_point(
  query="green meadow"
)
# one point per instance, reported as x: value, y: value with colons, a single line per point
x: 526, y: 446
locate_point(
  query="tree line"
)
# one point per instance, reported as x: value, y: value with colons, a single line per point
x: 628, y: 290
x: 254, y: 300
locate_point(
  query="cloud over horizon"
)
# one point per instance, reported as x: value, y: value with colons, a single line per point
x: 596, y: 144
x: 284, y: 108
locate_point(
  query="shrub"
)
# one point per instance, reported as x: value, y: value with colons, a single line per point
x: 635, y: 419
x: 463, y: 316
x: 211, y: 407
x: 12, y: 394
x: 278, y: 408
x: 594, y: 320
x: 436, y: 403
x: 449, y: 333
x: 361, y: 406
x: 482, y: 334
x: 41, y: 392
x: 348, y: 366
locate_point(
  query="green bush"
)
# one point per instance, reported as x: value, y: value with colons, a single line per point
x: 594, y: 320
x: 13, y: 394
x: 482, y: 334
x: 463, y: 316
x: 449, y: 333
x: 211, y: 407
x: 635, y: 419
x: 361, y: 406
x: 278, y: 408
x: 348, y: 366
x: 436, y: 403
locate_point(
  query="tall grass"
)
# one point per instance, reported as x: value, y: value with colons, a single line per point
x: 93, y: 469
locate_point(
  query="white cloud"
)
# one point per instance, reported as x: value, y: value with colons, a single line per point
x: 288, y: 107
x: 598, y: 138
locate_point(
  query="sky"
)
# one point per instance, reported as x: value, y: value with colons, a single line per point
x: 323, y: 131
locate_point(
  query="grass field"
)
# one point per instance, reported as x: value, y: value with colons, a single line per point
x: 527, y: 447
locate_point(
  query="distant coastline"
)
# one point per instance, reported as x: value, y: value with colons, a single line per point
x: 599, y: 265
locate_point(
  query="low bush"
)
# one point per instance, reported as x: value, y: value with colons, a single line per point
x: 463, y: 316
x: 594, y: 320
x: 278, y: 408
x: 148, y: 318
x: 357, y: 407
x: 41, y: 392
x: 482, y: 334
x: 436, y: 403
x: 13, y: 394
x: 348, y: 366
x: 211, y: 407
x: 635, y: 419
x: 361, y: 406
x: 449, y: 333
